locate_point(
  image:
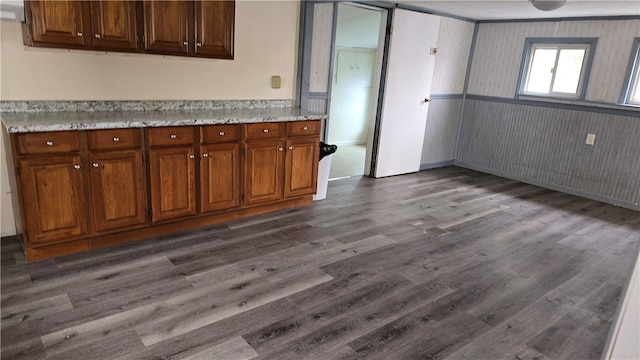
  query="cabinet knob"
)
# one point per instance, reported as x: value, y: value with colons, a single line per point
x: 116, y: 139
x: 186, y: 43
x: 198, y: 44
x: 265, y: 131
x: 280, y: 149
x: 221, y: 133
x: 77, y: 167
x: 79, y: 34
x: 173, y: 136
x: 191, y: 156
x: 305, y: 128
x: 95, y: 165
x: 49, y: 143
x: 206, y: 155
x: 97, y: 36
x: 290, y: 147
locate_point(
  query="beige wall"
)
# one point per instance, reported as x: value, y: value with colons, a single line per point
x: 265, y: 45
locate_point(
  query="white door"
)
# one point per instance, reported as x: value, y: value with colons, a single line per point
x: 407, y: 88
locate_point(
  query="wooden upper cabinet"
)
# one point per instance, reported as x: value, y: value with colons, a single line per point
x: 166, y: 26
x: 54, y: 22
x: 113, y: 24
x: 214, y: 26
x: 53, y: 198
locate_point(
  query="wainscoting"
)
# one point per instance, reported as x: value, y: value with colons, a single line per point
x: 546, y: 146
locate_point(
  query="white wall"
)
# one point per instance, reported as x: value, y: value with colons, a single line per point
x: 454, y: 44
x: 499, y: 48
x: 265, y: 45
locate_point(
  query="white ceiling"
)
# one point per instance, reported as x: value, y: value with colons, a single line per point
x: 522, y: 9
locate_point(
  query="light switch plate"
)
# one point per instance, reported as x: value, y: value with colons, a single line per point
x: 591, y: 138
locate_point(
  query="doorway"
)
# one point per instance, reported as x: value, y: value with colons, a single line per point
x: 355, y: 75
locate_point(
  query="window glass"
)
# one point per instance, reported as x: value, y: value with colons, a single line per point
x: 554, y: 68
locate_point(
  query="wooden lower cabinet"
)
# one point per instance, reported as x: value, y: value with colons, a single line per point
x: 219, y: 177
x: 53, y: 198
x: 301, y: 170
x: 264, y: 172
x: 117, y: 189
x: 172, y: 180
x: 84, y: 189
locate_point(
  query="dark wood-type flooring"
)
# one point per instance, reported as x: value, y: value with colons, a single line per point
x: 446, y: 263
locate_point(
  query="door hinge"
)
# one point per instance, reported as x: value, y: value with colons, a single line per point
x: 143, y: 162
x: 390, y: 30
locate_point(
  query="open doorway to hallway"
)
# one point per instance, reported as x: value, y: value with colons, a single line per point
x: 354, y: 88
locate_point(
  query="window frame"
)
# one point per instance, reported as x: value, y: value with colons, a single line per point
x: 632, y: 77
x: 589, y: 44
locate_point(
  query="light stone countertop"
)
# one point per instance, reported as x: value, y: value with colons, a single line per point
x: 23, y: 122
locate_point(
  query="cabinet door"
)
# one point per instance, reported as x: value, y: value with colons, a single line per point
x: 219, y: 173
x: 117, y: 189
x: 214, y: 24
x: 53, y: 198
x: 301, y: 166
x: 263, y: 171
x: 166, y: 26
x: 113, y: 24
x: 55, y: 22
x: 172, y: 181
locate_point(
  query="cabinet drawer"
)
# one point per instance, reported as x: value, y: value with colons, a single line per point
x: 264, y: 131
x: 302, y: 128
x: 48, y: 142
x: 215, y: 134
x: 113, y: 139
x: 167, y: 136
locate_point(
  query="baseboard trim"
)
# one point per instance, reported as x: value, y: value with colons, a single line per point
x: 7, y: 238
x: 435, y: 165
x: 604, y: 199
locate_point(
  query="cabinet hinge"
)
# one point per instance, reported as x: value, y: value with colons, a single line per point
x: 26, y: 233
x: 242, y: 197
x: 18, y: 171
x: 243, y: 152
x: 149, y: 214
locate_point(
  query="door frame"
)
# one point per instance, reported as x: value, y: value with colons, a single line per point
x: 303, y: 95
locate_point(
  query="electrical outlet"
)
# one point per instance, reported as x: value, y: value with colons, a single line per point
x: 276, y: 82
x: 591, y: 138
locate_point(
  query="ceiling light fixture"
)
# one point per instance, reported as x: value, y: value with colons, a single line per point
x: 548, y: 5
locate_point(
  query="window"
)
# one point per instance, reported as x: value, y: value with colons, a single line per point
x: 556, y: 67
x: 631, y: 92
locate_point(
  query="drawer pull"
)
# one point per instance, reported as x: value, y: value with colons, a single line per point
x: 173, y: 136
x: 221, y: 133
x: 79, y: 34
x: 191, y: 156
x: 95, y: 165
x: 305, y: 128
x: 77, y: 167
x: 185, y: 43
x: 97, y: 36
x: 116, y: 139
x: 290, y: 147
x: 205, y: 155
x: 49, y: 143
x: 265, y: 131
x: 280, y: 149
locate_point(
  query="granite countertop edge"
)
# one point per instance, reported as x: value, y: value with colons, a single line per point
x: 64, y: 121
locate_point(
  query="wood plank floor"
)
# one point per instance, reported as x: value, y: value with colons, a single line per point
x: 447, y: 263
